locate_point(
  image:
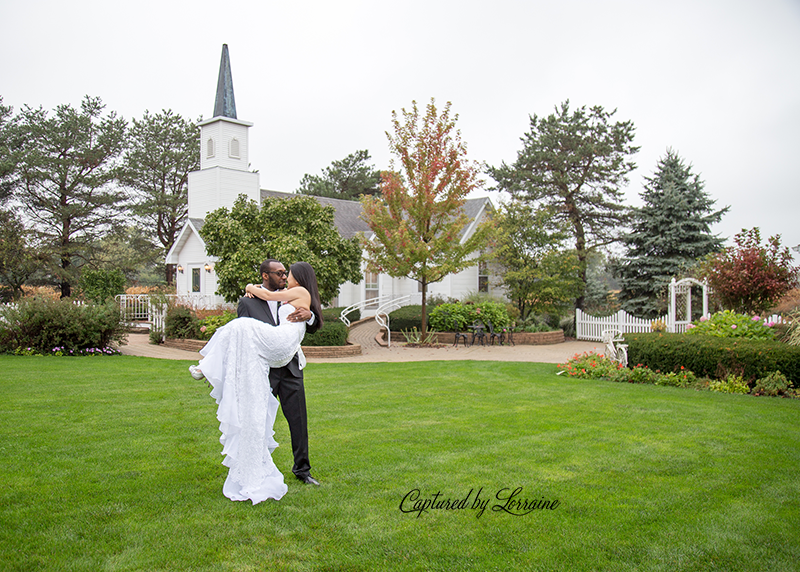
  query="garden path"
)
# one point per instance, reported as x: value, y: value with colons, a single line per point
x: 364, y: 334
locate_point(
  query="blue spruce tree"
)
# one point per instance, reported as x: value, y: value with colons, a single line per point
x: 668, y: 234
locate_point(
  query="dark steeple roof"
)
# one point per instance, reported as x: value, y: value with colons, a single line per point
x: 225, y: 104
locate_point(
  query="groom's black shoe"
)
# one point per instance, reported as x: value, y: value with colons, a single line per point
x: 308, y: 479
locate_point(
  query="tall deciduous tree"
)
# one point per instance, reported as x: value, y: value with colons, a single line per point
x: 66, y: 164
x: 668, y: 234
x: 574, y: 163
x: 418, y: 222
x: 289, y: 230
x: 346, y: 179
x: 539, y: 274
x: 750, y: 277
x: 163, y: 151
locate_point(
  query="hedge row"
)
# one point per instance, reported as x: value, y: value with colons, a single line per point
x: 44, y: 325
x: 714, y: 357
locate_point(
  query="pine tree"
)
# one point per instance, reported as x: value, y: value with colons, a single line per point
x: 669, y: 233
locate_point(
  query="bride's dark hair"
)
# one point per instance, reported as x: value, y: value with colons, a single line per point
x: 304, y: 273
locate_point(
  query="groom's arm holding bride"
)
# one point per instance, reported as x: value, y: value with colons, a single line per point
x: 253, y: 305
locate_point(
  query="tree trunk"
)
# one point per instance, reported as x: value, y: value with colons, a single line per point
x: 424, y: 314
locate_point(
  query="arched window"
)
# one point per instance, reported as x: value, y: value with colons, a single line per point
x: 210, y: 148
x: 233, y: 151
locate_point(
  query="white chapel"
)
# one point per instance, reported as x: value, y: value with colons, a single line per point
x: 224, y: 175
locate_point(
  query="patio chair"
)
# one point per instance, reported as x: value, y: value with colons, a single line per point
x: 478, y: 332
x: 494, y: 335
x: 615, y: 349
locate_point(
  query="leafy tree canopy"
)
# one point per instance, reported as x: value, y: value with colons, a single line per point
x: 346, y: 179
x: 539, y: 274
x: 668, y: 234
x: 574, y: 164
x: 418, y: 220
x: 289, y: 230
x: 750, y: 277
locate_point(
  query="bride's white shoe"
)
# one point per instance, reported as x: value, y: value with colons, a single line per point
x: 196, y: 373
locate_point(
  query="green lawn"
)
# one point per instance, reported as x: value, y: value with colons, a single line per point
x: 113, y: 464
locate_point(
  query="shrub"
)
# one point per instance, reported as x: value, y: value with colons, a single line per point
x: 99, y: 285
x: 449, y: 317
x: 707, y: 356
x: 43, y: 324
x: 731, y: 384
x: 406, y: 318
x: 772, y: 385
x: 729, y: 324
x: 210, y: 324
x: 181, y: 322
x: 332, y: 333
x: 332, y: 314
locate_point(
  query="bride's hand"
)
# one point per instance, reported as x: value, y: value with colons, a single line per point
x: 247, y: 292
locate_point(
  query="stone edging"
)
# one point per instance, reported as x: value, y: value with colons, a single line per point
x: 310, y: 351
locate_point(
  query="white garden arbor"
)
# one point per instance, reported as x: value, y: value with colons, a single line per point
x: 680, y: 303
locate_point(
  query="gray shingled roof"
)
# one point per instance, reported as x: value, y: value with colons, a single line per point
x: 347, y: 215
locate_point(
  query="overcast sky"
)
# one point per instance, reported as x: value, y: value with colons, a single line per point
x: 716, y: 80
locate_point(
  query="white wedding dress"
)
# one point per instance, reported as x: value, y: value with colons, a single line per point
x: 236, y: 363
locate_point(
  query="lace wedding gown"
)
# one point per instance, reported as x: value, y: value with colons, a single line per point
x: 236, y: 363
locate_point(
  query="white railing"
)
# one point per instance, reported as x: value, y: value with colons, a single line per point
x: 591, y: 328
x: 361, y: 306
x: 141, y: 309
x: 382, y: 313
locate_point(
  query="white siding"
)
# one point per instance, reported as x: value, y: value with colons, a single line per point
x: 216, y: 187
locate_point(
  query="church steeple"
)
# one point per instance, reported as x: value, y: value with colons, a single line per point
x: 225, y: 104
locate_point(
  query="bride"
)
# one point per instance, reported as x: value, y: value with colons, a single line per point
x: 236, y: 362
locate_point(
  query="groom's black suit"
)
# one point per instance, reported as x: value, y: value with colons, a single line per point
x: 287, y: 386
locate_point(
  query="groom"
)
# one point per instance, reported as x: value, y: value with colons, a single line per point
x: 287, y: 381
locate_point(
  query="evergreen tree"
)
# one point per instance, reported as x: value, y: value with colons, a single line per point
x: 574, y: 163
x: 162, y: 153
x: 346, y: 179
x: 66, y: 165
x: 668, y: 234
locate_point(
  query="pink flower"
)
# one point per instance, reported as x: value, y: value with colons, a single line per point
x: 689, y: 326
x: 755, y: 318
x: 704, y: 319
x: 733, y: 326
x: 203, y: 329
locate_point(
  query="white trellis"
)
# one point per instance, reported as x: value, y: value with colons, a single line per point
x: 680, y: 303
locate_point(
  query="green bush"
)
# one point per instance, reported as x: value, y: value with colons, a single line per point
x: 714, y: 357
x: 44, y: 325
x: 210, y: 324
x: 406, y: 318
x: 731, y: 384
x: 99, y: 285
x: 332, y: 333
x: 457, y: 316
x: 729, y: 324
x: 772, y: 385
x: 332, y: 314
x: 181, y: 322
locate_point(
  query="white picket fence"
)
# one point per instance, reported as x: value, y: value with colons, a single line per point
x: 591, y: 328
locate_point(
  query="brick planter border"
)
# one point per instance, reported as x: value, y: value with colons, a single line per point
x: 520, y: 338
x: 310, y: 351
